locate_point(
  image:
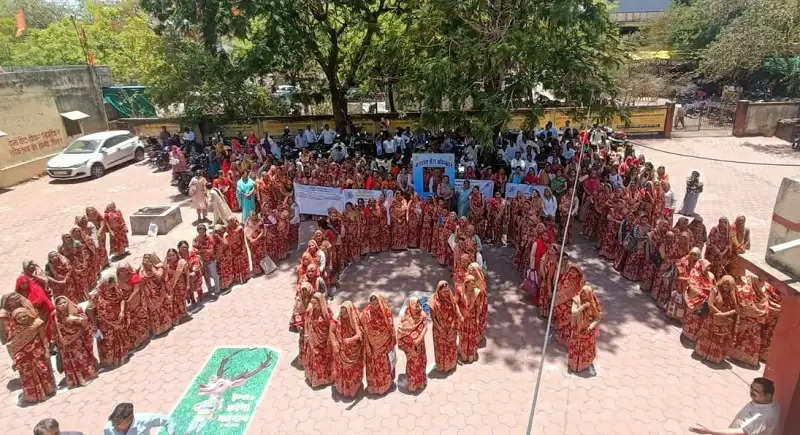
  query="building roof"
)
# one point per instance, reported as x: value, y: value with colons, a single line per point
x: 642, y: 5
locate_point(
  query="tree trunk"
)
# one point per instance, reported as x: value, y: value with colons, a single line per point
x: 339, y: 106
x: 390, y: 97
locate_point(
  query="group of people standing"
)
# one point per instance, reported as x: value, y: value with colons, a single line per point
x: 47, y: 312
x: 343, y: 350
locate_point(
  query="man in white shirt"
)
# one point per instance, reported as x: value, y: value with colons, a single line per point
x: 550, y: 203
x: 518, y: 162
x: 309, y: 135
x: 759, y: 417
x: 328, y: 136
x: 300, y: 141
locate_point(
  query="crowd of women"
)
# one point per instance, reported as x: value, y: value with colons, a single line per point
x: 342, y: 350
x: 692, y: 275
x: 43, y: 313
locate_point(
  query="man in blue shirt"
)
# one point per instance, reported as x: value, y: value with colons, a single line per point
x: 300, y: 140
x: 122, y: 421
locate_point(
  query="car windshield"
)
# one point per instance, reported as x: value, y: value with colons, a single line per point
x: 82, y: 146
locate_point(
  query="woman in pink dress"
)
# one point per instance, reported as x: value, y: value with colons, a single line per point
x: 376, y: 319
x: 347, y: 345
x: 75, y: 343
x: 411, y: 340
x: 445, y: 317
x: 316, y: 336
x: 469, y: 303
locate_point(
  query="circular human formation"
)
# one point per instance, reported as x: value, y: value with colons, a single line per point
x: 342, y: 350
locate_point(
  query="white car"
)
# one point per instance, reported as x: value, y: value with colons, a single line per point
x: 92, y: 155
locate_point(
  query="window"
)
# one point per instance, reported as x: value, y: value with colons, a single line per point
x: 110, y: 142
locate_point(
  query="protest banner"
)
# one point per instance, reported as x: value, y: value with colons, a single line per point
x: 317, y: 200
x: 428, y: 169
x: 486, y: 187
x: 526, y: 189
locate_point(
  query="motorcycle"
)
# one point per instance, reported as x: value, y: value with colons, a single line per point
x: 161, y: 160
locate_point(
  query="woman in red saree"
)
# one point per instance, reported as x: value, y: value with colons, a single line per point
x: 635, y: 261
x: 532, y: 278
x: 75, y: 343
x: 256, y: 241
x: 82, y: 233
x: 227, y: 186
x: 547, y: 275
x: 370, y: 230
x: 411, y: 340
x: 305, y: 261
x: 716, y: 333
x: 515, y: 213
x: 399, y: 227
x: 59, y: 277
x: 378, y: 328
x: 415, y: 218
x: 653, y: 260
x: 475, y: 270
x: 347, y: 345
x: 225, y: 259
x: 110, y: 315
x: 698, y: 230
x: 444, y: 254
x: 460, y: 270
x: 477, y: 211
x: 701, y: 284
x: 666, y: 273
x: 609, y: 245
x: 29, y: 287
x: 496, y: 211
x: 445, y: 317
x: 101, y: 229
x: 586, y: 314
x: 238, y: 249
x: 385, y: 225
x: 438, y: 226
x: 775, y: 299
x: 676, y: 308
x: 281, y: 237
x: 752, y: 308
x: 73, y: 251
x: 28, y: 347
x: 176, y: 279
x: 194, y: 266
x: 740, y: 243
x: 719, y: 246
x: 156, y: 297
x: 118, y: 230
x: 570, y: 283
x: 428, y: 223
x: 302, y: 298
x: 469, y: 300
x: 316, y: 336
x: 136, y: 311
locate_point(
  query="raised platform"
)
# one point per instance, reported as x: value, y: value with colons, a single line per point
x: 166, y: 217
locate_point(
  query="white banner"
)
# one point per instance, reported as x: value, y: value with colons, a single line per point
x: 526, y: 189
x: 486, y: 187
x: 317, y: 199
x: 353, y: 195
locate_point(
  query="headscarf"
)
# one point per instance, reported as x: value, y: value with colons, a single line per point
x: 316, y: 332
x: 584, y: 318
x: 700, y: 284
x: 378, y: 327
x: 36, y: 295
x: 443, y: 307
x: 411, y: 328
x: 476, y: 270
x: 24, y: 331
x: 68, y: 333
x: 570, y: 286
x: 338, y: 340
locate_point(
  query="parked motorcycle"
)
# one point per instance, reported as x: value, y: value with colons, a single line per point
x: 161, y: 160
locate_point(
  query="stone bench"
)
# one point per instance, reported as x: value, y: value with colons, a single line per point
x: 166, y: 217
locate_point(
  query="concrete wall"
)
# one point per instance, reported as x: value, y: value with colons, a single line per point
x: 786, y: 227
x: 761, y: 118
x: 31, y: 100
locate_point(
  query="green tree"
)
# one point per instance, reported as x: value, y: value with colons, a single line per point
x: 490, y: 57
x: 41, y: 13
x: 283, y: 35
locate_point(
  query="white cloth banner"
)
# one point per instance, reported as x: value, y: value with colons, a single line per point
x: 353, y: 195
x: 526, y: 189
x: 486, y: 187
x: 317, y: 199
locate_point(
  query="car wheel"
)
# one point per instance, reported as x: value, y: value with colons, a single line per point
x: 98, y: 170
x: 138, y: 155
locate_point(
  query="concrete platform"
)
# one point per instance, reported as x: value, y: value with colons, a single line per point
x: 166, y: 217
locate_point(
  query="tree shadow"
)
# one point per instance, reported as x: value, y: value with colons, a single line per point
x: 783, y: 149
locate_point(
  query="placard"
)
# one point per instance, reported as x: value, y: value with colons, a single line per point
x: 317, y: 200
x: 430, y: 167
x: 486, y: 187
x: 526, y: 189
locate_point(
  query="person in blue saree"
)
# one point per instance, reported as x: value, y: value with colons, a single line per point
x: 463, y: 199
x: 246, y: 195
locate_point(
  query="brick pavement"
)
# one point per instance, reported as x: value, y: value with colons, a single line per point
x: 647, y: 382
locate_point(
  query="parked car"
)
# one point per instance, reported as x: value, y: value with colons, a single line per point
x: 92, y: 155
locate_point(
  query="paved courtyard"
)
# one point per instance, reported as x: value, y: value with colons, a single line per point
x: 647, y: 382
